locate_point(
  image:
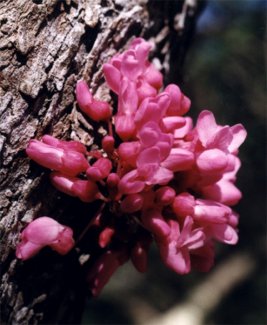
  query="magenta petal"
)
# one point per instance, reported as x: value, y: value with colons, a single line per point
x: 178, y: 160
x: 64, y: 241
x: 129, y: 184
x: 130, y: 67
x: 173, y: 122
x: 128, y: 98
x: 42, y: 231
x: 177, y: 259
x: 149, y: 134
x: 223, y: 191
x: 225, y: 234
x: 73, y: 163
x: 45, y: 155
x: 183, y: 205
x: 148, y: 156
x: 83, y: 94
x: 125, y: 126
x: 212, y: 160
x: 132, y: 203
x: 153, y: 77
x: 145, y: 90
x: 175, y: 99
x: 239, y: 136
x: 221, y: 140
x: 212, y: 212
x: 206, y: 126
x: 112, y: 76
x: 162, y: 176
x: 183, y: 131
x: 163, y: 101
x: 147, y: 112
x: 141, y: 48
x: 26, y: 250
x: 154, y: 222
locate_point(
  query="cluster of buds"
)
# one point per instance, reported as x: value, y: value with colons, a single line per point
x: 159, y: 176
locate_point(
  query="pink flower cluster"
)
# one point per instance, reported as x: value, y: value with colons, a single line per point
x: 164, y: 179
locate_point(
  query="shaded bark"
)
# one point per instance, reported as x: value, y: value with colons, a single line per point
x: 46, y: 46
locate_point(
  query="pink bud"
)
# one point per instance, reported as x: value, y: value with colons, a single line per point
x: 132, y: 203
x: 165, y: 195
x: 113, y: 180
x: 183, y: 205
x: 179, y: 104
x: 45, y: 155
x: 211, y: 212
x: 69, y: 162
x: 212, y: 160
x: 100, y: 169
x: 105, y: 237
x: 112, y: 76
x: 108, y: 143
x: 41, y: 232
x: 153, y: 77
x: 85, y: 190
x: 139, y: 253
x: 83, y: 95
x: 104, y: 165
x: 94, y: 174
x: 130, y: 184
x: 97, y: 110
x: 73, y: 163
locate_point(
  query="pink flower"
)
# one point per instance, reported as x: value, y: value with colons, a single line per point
x: 133, y: 65
x: 224, y: 190
x: 154, y: 221
x: 227, y: 139
x: 41, y: 232
x: 158, y: 176
x: 99, y: 170
x: 65, y: 160
x: 217, y: 220
x: 97, y: 110
x: 176, y: 247
x: 85, y: 190
x: 179, y: 103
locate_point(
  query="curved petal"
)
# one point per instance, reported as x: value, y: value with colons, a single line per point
x: 206, y: 126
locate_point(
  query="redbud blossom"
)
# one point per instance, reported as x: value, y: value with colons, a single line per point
x: 41, y: 232
x: 95, y: 109
x: 159, y: 177
x: 67, y: 161
x: 85, y: 190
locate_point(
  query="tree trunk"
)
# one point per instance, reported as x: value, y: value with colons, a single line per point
x: 46, y: 46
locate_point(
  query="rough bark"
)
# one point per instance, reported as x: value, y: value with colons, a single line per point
x: 46, y: 46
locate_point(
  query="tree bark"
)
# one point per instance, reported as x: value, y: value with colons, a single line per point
x: 46, y: 46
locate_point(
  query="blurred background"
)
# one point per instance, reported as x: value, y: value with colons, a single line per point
x: 225, y: 72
